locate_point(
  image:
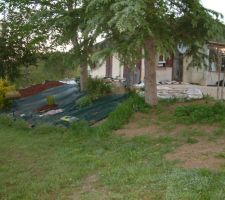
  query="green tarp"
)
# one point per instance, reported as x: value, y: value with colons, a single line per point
x: 65, y: 97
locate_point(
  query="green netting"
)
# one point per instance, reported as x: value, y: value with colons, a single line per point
x: 65, y: 97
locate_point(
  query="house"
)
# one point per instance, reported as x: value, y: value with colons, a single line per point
x: 112, y: 67
x: 176, y: 68
x: 205, y: 75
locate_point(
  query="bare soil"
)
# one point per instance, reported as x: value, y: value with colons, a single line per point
x: 47, y: 108
x: 199, y: 155
x: 203, y: 154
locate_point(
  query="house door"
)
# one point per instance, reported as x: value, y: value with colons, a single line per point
x: 109, y: 67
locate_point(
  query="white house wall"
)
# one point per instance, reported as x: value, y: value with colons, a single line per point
x: 162, y: 74
x: 212, y: 78
x: 99, y: 71
x: 117, y: 69
x: 199, y: 75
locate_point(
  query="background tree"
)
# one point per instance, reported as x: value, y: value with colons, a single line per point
x: 18, y: 44
x: 155, y: 26
x: 61, y: 23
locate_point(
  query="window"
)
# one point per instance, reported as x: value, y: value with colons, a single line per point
x: 162, y: 62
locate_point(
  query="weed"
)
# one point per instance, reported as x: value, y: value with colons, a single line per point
x: 191, y: 132
x: 219, y: 132
x: 6, y: 121
x: 207, y: 98
x: 200, y: 113
x: 221, y: 155
x: 124, y: 111
x: 81, y: 127
x: 192, y: 140
x: 97, y: 88
x: 50, y: 100
x: 55, y: 163
x: 84, y: 101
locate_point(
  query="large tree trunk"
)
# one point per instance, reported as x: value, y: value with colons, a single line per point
x: 151, y: 61
x: 83, y: 77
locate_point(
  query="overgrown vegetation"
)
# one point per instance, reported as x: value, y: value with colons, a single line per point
x: 96, y: 88
x: 5, y: 87
x: 46, y: 69
x: 204, y: 113
x: 86, y: 162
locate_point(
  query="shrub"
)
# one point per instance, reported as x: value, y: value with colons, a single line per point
x: 97, y: 88
x: 4, y: 88
x: 84, y: 101
x: 50, y: 100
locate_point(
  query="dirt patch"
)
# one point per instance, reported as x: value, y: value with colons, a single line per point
x: 140, y: 124
x: 91, y: 188
x: 46, y: 108
x: 151, y: 130
x: 199, y: 155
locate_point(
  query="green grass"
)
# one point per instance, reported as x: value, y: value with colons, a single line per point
x: 201, y: 113
x: 221, y: 155
x: 57, y: 163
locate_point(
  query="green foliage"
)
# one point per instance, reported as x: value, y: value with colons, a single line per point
x: 221, y: 155
x: 97, y: 88
x: 81, y: 128
x: 202, y: 113
x: 57, y: 159
x: 130, y: 23
x: 192, y: 140
x: 50, y: 100
x: 8, y: 121
x: 52, y: 159
x: 46, y: 69
x: 124, y: 111
x: 84, y: 101
x: 117, y: 118
x: 4, y: 88
x: 17, y: 42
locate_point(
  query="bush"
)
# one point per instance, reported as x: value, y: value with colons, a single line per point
x: 4, y: 88
x: 84, y: 101
x: 97, y: 88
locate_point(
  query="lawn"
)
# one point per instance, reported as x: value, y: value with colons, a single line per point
x: 108, y: 162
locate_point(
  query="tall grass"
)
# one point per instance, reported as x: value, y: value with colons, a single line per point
x: 203, y: 113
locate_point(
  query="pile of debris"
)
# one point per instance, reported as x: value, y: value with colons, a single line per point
x: 165, y: 92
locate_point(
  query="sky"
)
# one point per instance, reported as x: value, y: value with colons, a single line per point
x: 217, y: 5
